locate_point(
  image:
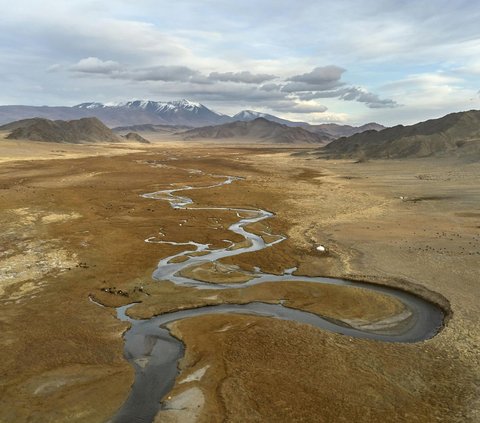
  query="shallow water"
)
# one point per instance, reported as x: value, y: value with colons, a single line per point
x: 155, y: 353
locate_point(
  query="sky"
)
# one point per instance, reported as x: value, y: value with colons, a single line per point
x: 344, y: 61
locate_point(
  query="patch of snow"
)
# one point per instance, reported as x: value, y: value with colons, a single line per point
x: 89, y: 106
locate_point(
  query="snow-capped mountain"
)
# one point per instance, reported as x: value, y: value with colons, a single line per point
x: 149, y: 105
x: 182, y: 112
x: 89, y: 106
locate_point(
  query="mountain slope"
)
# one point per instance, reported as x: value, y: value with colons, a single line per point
x: 181, y: 112
x: 249, y: 115
x: 259, y: 129
x: 331, y: 130
x: 74, y: 131
x: 133, y: 136
x: 336, y: 131
x: 456, y: 134
x: 148, y: 127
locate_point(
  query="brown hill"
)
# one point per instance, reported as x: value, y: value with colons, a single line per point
x: 133, y: 136
x: 165, y: 129
x: 59, y: 131
x: 256, y: 130
x: 456, y: 134
x: 336, y: 131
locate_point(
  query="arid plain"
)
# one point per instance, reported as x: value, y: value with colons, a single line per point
x: 74, y: 226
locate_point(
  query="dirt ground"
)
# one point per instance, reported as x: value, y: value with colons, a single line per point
x: 77, y: 224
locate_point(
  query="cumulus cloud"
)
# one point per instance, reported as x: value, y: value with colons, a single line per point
x: 94, y: 65
x: 325, y: 82
x: 245, y: 76
x: 294, y: 95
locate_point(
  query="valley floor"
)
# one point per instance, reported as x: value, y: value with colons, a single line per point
x: 74, y: 228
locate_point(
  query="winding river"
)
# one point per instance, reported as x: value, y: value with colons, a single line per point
x: 155, y: 353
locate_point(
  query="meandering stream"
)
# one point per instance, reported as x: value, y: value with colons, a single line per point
x: 155, y: 353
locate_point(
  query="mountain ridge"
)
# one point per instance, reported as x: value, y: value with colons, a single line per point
x: 259, y: 129
x: 455, y: 134
x: 182, y: 113
x: 60, y: 131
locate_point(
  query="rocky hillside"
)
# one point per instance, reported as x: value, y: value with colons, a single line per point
x: 335, y: 131
x: 59, y: 131
x: 259, y: 129
x: 133, y: 136
x: 456, y: 134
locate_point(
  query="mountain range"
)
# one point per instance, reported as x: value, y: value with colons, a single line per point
x: 454, y: 135
x: 131, y: 114
x: 257, y: 130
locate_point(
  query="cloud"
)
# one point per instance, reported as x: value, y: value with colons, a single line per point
x: 325, y: 82
x: 320, y: 75
x: 224, y: 92
x: 54, y: 68
x: 438, y: 92
x: 113, y: 70
x: 294, y: 107
x: 309, y: 95
x: 163, y: 73
x: 373, y: 101
x: 270, y: 87
x: 131, y: 51
x: 294, y: 95
x: 94, y: 65
x: 424, y: 80
x: 319, y: 79
x: 245, y: 76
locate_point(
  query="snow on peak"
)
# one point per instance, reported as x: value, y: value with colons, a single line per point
x: 187, y: 103
x: 249, y: 114
x: 137, y: 104
x: 92, y: 105
x: 158, y: 105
